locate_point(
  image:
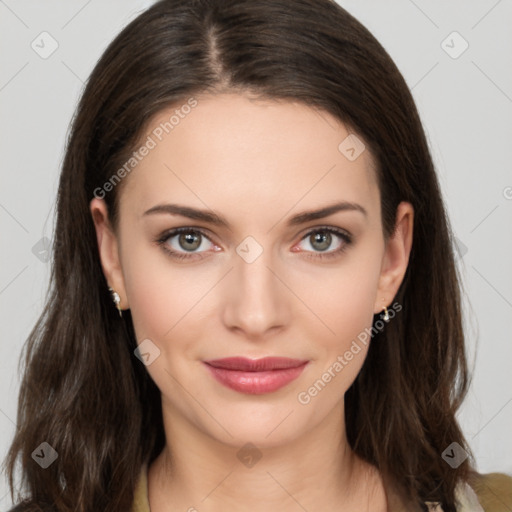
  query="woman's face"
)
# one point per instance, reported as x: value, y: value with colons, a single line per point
x: 267, y: 281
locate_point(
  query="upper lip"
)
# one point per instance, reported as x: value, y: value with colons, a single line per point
x: 256, y: 365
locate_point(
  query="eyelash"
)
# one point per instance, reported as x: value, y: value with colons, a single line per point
x: 347, y: 241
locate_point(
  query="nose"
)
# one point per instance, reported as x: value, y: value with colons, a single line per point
x: 256, y: 302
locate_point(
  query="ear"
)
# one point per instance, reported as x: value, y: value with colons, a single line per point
x: 396, y: 257
x: 108, y: 249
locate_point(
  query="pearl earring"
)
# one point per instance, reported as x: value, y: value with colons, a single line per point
x: 116, y: 299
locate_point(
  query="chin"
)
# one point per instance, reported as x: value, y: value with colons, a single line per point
x: 264, y: 424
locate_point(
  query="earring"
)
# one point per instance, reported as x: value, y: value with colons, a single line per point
x: 385, y: 317
x: 116, y: 299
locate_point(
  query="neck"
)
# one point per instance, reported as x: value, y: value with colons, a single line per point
x: 195, y: 471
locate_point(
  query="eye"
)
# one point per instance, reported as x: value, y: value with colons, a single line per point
x: 321, y: 239
x: 184, y: 242
x: 190, y: 243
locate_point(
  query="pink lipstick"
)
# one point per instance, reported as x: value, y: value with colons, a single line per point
x: 255, y: 376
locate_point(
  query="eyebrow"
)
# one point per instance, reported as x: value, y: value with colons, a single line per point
x: 217, y: 220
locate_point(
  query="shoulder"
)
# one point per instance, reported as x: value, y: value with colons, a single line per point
x: 140, y: 504
x: 141, y: 498
x: 493, y: 491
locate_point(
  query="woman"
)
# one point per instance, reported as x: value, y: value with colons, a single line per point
x: 254, y: 301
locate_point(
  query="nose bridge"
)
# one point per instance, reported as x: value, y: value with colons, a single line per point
x: 254, y: 301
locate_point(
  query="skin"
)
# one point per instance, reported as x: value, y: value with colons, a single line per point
x: 256, y: 163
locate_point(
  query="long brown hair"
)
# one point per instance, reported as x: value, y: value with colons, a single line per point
x: 83, y: 390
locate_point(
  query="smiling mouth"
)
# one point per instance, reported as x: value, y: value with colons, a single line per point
x: 255, y: 376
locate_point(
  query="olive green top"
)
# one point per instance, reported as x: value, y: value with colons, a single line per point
x: 491, y: 493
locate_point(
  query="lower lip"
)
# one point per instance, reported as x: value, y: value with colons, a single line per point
x: 255, y: 383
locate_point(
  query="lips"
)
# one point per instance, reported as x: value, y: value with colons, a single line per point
x: 256, y: 365
x: 255, y: 376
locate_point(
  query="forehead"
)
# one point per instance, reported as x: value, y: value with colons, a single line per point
x: 257, y: 157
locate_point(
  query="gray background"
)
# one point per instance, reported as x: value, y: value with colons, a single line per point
x: 464, y: 98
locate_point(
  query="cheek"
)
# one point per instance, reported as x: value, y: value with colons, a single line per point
x: 344, y: 297
x: 163, y: 296
x: 345, y: 305
x: 344, y: 300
